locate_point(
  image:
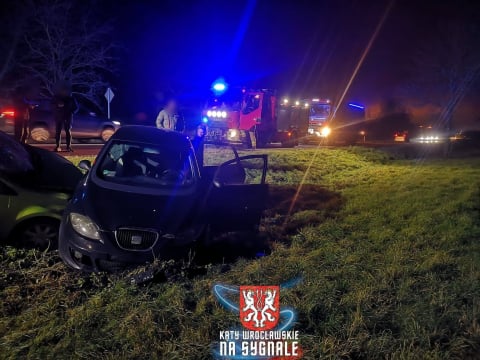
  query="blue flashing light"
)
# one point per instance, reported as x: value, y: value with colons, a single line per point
x: 357, y: 106
x: 205, y: 119
x: 219, y: 86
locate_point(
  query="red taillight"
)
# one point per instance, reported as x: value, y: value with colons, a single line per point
x: 8, y: 113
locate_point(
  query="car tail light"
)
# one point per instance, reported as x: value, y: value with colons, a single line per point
x: 8, y: 112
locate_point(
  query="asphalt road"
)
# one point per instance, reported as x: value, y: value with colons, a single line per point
x: 92, y: 149
x: 78, y: 149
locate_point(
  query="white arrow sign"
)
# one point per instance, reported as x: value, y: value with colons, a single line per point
x: 109, y: 96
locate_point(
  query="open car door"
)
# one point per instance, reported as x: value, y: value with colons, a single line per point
x: 237, y: 195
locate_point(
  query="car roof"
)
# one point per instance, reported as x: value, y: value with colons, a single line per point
x: 151, y: 135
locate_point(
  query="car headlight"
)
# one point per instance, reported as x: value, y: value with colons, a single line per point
x: 115, y: 122
x: 84, y: 226
x: 326, y: 131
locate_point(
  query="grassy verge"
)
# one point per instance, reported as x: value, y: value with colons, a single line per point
x: 387, y: 249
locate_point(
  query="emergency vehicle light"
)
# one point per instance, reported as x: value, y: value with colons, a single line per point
x: 356, y: 106
x: 219, y: 86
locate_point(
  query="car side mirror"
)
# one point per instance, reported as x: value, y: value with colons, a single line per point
x: 85, y: 165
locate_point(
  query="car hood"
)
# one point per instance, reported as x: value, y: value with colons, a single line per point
x: 112, y: 209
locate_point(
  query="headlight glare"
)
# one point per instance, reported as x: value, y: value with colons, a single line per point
x: 326, y: 131
x: 232, y: 133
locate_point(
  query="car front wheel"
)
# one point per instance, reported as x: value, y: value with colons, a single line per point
x: 39, y: 134
x: 41, y: 233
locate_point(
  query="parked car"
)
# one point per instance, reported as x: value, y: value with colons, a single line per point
x: 146, y: 197
x: 401, y: 136
x: 7, y: 116
x: 35, y: 185
x: 87, y: 124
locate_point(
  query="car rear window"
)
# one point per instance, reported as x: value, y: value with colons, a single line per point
x: 14, y: 158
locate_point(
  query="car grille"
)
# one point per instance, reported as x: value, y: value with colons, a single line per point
x: 136, y: 239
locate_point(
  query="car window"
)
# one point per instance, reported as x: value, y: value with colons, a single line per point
x: 251, y: 103
x: 146, y: 165
x: 14, y: 158
x: 215, y: 155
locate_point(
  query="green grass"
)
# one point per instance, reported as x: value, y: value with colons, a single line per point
x: 388, y: 251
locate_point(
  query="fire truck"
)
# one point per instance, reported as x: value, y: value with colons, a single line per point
x: 249, y: 117
x: 330, y: 124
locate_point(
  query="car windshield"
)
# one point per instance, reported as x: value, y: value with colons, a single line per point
x: 320, y: 110
x: 146, y: 165
x: 232, y: 100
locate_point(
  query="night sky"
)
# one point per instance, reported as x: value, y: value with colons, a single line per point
x: 302, y: 48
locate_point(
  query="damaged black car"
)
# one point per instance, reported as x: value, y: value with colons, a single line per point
x: 146, y: 197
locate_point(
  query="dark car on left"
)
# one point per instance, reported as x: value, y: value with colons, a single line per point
x: 35, y: 186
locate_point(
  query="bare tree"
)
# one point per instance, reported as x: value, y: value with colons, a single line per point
x: 449, y: 65
x: 13, y: 17
x: 65, y: 43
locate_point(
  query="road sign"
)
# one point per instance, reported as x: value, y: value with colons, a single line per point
x: 109, y: 96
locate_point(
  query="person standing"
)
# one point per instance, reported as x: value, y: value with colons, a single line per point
x: 166, y: 118
x: 22, y: 119
x: 198, y: 143
x: 64, y: 106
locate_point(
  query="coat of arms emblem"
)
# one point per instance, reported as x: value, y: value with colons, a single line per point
x: 259, y: 307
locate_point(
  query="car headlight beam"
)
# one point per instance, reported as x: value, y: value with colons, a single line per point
x: 84, y: 226
x: 326, y: 131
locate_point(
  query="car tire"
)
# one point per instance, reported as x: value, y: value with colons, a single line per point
x: 107, y: 133
x: 39, y: 134
x: 40, y: 233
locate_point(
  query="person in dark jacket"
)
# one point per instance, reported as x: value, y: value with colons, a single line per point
x: 64, y: 106
x: 198, y: 143
x: 22, y: 119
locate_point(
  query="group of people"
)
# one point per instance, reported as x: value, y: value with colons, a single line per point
x: 64, y: 106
